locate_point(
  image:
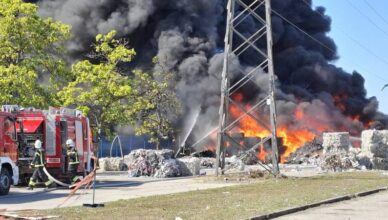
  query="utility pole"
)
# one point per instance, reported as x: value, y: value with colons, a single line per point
x: 271, y: 72
x: 239, y: 44
x: 220, y: 151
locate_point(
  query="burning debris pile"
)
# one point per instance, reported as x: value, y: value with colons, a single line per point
x: 314, y: 96
x: 307, y: 154
x: 337, y: 153
x: 334, y: 152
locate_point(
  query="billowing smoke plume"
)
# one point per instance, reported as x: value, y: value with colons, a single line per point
x: 187, y: 36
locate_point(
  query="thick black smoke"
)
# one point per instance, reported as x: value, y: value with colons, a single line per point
x: 187, y: 36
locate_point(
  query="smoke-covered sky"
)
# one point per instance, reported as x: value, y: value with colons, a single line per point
x: 187, y: 36
x: 355, y: 35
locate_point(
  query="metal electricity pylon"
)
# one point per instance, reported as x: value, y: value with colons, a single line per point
x: 256, y: 47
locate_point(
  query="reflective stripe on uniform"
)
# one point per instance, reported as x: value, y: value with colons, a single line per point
x: 40, y: 155
x: 76, y: 157
x: 40, y: 162
x: 48, y: 183
x: 31, y: 183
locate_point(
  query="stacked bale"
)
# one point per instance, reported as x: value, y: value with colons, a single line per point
x: 189, y: 166
x: 337, y: 152
x: 375, y: 148
x: 336, y: 142
x: 112, y: 164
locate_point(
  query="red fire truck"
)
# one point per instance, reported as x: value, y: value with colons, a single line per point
x: 19, y: 128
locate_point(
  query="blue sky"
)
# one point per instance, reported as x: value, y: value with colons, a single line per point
x: 361, y: 36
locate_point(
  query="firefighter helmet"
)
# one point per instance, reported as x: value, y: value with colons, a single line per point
x: 70, y: 143
x: 38, y: 144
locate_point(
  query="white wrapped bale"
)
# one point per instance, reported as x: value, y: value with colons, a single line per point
x: 336, y: 142
x: 157, y: 163
x: 380, y: 163
x: 207, y: 162
x: 375, y: 143
x: 169, y: 168
x: 189, y: 166
x: 234, y: 163
x: 104, y: 164
x: 111, y: 164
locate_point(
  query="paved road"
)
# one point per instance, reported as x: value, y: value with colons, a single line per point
x: 118, y: 186
x: 373, y: 207
x: 113, y: 188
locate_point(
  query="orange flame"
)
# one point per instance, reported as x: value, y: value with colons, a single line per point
x: 305, y: 127
x: 338, y: 101
x: 262, y: 154
x: 292, y: 139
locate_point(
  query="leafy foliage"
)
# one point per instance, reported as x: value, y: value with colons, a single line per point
x: 99, y: 89
x: 30, y: 66
x: 112, y: 98
x: 157, y: 120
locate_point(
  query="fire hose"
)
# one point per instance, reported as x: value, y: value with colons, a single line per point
x: 53, y: 179
x: 65, y: 184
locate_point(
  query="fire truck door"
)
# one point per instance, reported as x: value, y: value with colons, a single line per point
x: 79, y: 140
x: 63, y: 129
x: 10, y: 145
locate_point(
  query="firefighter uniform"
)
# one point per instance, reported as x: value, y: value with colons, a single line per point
x: 38, y: 163
x: 73, y: 159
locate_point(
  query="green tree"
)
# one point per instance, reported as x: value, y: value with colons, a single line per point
x: 30, y: 48
x: 111, y: 97
x: 100, y: 89
x: 156, y: 121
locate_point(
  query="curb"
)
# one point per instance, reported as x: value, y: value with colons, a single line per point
x: 317, y: 204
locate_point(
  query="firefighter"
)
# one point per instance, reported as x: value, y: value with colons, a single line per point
x: 38, y: 163
x: 73, y: 159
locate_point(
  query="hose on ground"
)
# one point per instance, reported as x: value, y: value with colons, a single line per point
x: 53, y: 179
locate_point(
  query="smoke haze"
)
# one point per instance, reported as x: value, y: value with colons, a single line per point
x: 187, y: 36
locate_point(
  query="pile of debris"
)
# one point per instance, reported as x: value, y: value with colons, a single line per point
x: 155, y: 163
x: 335, y: 153
x: 372, y: 155
x: 234, y: 164
x: 309, y: 154
x: 158, y: 163
x: 207, y: 162
x: 248, y: 157
x: 338, y: 154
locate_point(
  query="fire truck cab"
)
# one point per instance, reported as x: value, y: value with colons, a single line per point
x: 9, y: 171
x: 20, y: 128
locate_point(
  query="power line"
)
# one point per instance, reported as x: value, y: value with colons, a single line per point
x: 303, y: 31
x: 369, y: 19
x: 376, y: 12
x: 358, y: 43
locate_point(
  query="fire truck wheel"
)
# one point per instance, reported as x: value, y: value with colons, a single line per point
x: 5, y: 181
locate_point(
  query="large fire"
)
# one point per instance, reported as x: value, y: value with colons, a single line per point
x: 291, y: 140
x: 309, y: 126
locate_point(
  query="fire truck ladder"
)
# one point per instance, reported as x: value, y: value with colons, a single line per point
x: 239, y: 44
